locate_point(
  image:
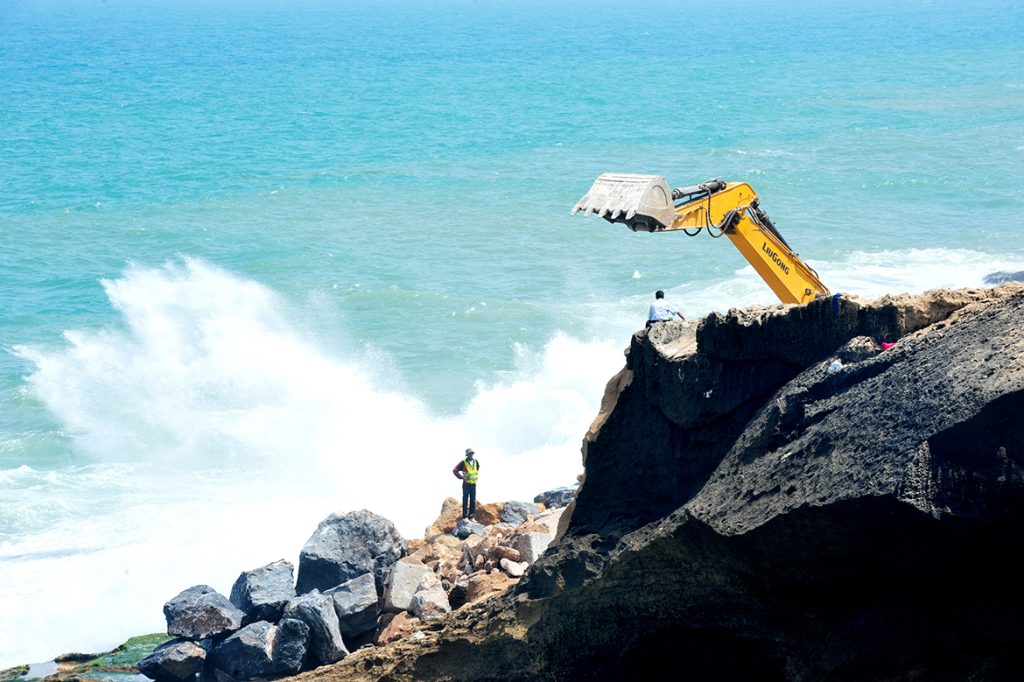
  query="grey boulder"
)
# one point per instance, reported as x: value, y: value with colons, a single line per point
x: 463, y: 529
x: 247, y: 653
x: 317, y: 611
x: 292, y: 644
x: 518, y: 512
x: 346, y: 546
x: 532, y: 545
x: 262, y: 593
x: 403, y: 582
x: 200, y: 612
x: 430, y: 601
x: 994, y: 278
x: 174, y: 661
x: 553, y: 499
x: 357, y: 605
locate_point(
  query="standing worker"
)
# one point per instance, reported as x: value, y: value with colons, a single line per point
x: 661, y: 310
x: 467, y: 470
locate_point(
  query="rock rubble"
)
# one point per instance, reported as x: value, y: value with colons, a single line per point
x: 384, y: 589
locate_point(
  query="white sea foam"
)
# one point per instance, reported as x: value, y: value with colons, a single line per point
x: 866, y: 274
x: 227, y: 436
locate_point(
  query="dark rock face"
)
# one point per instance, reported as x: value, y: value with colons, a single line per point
x: 557, y: 498
x: 357, y: 605
x: 749, y: 513
x: 517, y: 512
x: 814, y: 516
x: 174, y: 661
x: 317, y: 611
x: 200, y: 612
x: 262, y: 593
x: 687, y: 394
x: 291, y: 649
x: 345, y: 547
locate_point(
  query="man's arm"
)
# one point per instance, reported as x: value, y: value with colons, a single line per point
x: 459, y: 468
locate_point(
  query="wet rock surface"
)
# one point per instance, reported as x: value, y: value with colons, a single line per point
x: 174, y: 661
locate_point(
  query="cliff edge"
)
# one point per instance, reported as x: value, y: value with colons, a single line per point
x: 771, y: 495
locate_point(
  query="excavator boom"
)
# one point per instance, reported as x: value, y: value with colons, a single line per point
x: 645, y: 203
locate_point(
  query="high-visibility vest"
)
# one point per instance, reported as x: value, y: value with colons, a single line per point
x: 469, y: 476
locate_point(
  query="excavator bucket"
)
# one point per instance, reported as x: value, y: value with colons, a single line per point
x: 642, y: 202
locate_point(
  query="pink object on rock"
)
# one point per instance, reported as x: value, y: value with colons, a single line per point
x: 886, y: 345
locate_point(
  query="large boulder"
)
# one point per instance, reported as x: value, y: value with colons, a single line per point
x: 262, y: 593
x: 317, y: 611
x: 518, y: 512
x: 200, y: 612
x: 346, y: 546
x: 247, y: 653
x: 357, y: 605
x: 174, y: 661
x: 403, y: 581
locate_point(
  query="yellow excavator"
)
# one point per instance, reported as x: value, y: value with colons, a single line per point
x: 644, y: 203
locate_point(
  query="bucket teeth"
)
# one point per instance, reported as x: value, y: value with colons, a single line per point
x: 640, y: 201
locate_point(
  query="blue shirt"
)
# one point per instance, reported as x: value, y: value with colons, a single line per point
x: 661, y: 310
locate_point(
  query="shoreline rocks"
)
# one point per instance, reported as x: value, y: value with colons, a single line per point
x: 272, y: 626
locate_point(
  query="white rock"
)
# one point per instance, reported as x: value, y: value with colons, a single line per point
x: 402, y: 583
x: 532, y: 545
x: 514, y: 568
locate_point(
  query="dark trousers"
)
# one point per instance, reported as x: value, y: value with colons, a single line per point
x: 468, y: 500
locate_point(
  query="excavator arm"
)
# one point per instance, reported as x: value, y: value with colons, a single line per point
x: 644, y: 203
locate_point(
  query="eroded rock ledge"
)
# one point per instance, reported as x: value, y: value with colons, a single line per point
x: 769, y: 495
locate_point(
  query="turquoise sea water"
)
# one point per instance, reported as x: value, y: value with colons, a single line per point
x: 269, y: 261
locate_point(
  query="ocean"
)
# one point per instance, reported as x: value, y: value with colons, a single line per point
x: 264, y: 261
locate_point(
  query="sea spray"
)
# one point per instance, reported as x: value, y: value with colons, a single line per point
x: 213, y: 436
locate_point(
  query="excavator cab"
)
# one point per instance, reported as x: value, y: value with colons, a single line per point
x: 644, y: 203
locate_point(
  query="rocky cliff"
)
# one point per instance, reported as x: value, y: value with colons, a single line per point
x: 771, y: 495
